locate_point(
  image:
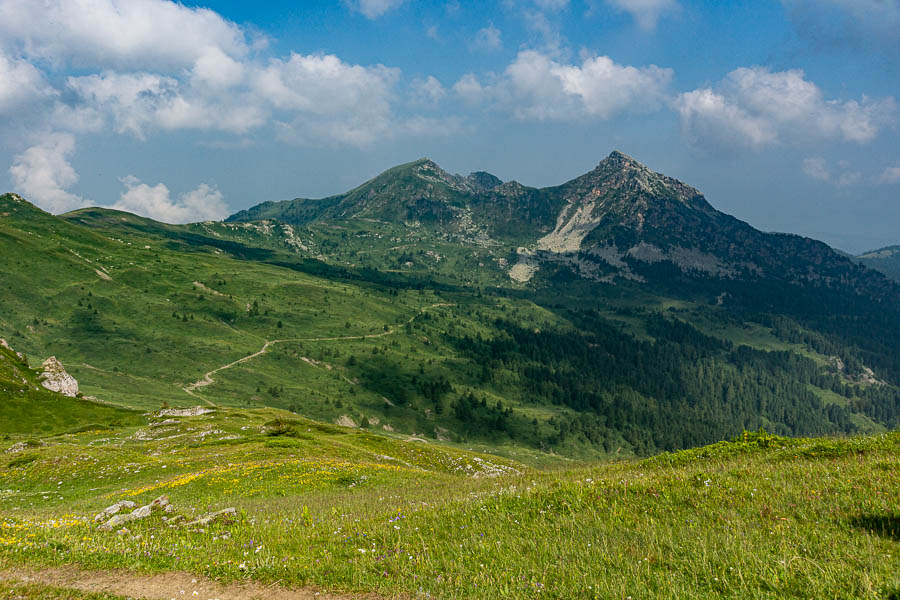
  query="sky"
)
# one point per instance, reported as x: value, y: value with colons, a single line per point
x: 784, y: 113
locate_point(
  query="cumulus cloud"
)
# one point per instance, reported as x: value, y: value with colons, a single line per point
x: 138, y: 101
x: 537, y: 87
x: 201, y: 204
x: 132, y: 34
x: 488, y: 38
x: 145, y: 66
x: 427, y: 92
x: 331, y: 100
x: 43, y: 175
x: 376, y: 8
x: 20, y: 83
x: 755, y: 107
x: 646, y: 13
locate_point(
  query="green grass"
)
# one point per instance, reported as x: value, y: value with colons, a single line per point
x: 17, y: 590
x: 344, y: 510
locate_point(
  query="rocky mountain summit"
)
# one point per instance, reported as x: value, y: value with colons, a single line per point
x: 619, y: 221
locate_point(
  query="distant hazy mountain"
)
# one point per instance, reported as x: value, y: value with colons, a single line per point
x: 886, y: 260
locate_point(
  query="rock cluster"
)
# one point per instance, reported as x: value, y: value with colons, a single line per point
x: 113, y: 516
x: 55, y: 378
x: 226, y: 514
x: 119, y: 518
x: 194, y: 411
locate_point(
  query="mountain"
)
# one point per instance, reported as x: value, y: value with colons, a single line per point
x: 886, y: 260
x: 614, y: 222
x: 616, y: 313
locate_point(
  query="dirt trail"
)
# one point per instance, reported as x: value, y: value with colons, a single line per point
x: 208, y: 380
x: 165, y: 585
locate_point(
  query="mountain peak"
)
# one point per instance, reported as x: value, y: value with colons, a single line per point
x: 620, y: 160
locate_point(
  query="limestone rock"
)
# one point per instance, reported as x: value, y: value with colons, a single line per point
x: 55, y: 378
x: 226, y: 514
x: 194, y: 411
x: 161, y: 503
x: 114, y: 509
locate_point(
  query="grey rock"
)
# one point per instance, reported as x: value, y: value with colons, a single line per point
x: 55, y: 378
x: 114, y: 509
x: 226, y: 514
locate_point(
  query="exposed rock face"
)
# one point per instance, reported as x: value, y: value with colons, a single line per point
x: 114, y: 509
x: 345, y: 421
x: 55, y: 378
x: 161, y: 503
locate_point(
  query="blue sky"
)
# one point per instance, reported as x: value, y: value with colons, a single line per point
x: 784, y: 113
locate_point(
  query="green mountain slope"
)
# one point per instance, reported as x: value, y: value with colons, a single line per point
x: 27, y: 407
x: 182, y: 314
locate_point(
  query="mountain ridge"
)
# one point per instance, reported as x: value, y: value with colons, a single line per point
x: 608, y: 224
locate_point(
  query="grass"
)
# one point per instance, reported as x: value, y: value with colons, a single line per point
x: 345, y: 510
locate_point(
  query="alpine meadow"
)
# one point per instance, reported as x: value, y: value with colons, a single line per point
x: 436, y: 385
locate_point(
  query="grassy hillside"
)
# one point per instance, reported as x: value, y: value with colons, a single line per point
x: 143, y: 314
x: 26, y: 407
x: 344, y: 510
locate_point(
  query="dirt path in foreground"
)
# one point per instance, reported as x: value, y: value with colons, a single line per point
x: 208, y: 380
x: 165, y: 586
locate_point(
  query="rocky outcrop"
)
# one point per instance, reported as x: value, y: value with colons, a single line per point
x: 113, y: 510
x: 160, y: 504
x: 55, y: 378
x: 226, y: 515
x: 194, y: 411
x: 4, y: 344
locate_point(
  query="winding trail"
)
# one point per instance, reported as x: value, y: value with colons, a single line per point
x: 208, y: 379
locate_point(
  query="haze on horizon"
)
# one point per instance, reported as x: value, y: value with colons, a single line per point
x: 783, y: 113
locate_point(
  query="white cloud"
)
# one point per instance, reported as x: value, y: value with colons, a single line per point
x: 20, y: 84
x: 427, y: 92
x: 646, y: 13
x: 891, y: 174
x: 376, y: 8
x: 43, y: 175
x: 489, y: 38
x: 140, y: 101
x: 201, y: 204
x: 754, y: 107
x: 330, y: 99
x: 133, y: 34
x: 469, y: 89
x: 711, y: 119
x: 537, y: 87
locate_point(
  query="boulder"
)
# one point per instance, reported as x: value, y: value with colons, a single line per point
x: 55, y: 378
x: 114, y: 509
x: 161, y: 503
